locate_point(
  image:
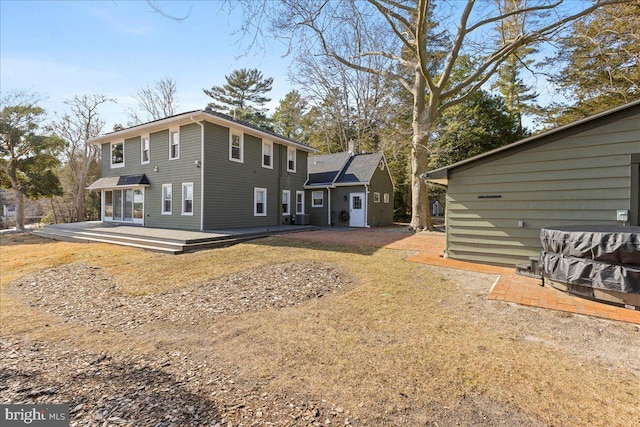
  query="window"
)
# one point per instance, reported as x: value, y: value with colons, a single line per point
x: 267, y: 155
x: 299, y: 202
x: 259, y: 202
x: 174, y: 145
x: 386, y: 197
x: 376, y: 197
x: 187, y: 198
x: 291, y: 159
x: 108, y: 204
x: 117, y: 155
x: 286, y: 202
x: 166, y: 199
x: 236, y: 148
x: 317, y: 199
x: 144, y: 148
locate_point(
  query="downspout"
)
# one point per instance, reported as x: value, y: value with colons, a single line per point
x: 328, y: 206
x: 366, y: 206
x: 280, y: 165
x: 201, y: 172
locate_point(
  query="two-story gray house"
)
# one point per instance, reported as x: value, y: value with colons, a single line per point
x: 201, y: 170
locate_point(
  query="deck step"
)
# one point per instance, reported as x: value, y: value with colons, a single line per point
x: 156, y: 244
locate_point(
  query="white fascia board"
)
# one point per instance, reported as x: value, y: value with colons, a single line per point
x: 190, y: 117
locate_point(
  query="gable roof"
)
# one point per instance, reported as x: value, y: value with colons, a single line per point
x: 323, y: 170
x: 198, y: 116
x: 340, y: 169
x: 360, y: 169
x: 440, y: 175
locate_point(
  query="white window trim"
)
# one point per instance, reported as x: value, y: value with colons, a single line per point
x: 257, y: 190
x: 291, y: 150
x: 171, y: 133
x: 241, y: 135
x: 386, y: 197
x: 288, y: 192
x: 170, y: 186
x: 313, y: 199
x: 116, y: 165
x: 267, y: 144
x: 297, y: 194
x: 142, y: 138
x: 185, y: 185
x: 376, y: 197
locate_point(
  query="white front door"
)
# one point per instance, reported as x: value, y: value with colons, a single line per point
x: 356, y: 210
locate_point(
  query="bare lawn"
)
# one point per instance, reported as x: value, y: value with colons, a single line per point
x: 282, y: 332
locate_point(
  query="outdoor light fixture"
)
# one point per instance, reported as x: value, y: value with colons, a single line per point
x: 156, y: 169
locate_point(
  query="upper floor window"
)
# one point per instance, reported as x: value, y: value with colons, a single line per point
x: 236, y: 147
x: 267, y: 155
x: 376, y: 197
x: 174, y: 145
x: 291, y: 159
x: 117, y: 155
x: 386, y: 197
x: 144, y: 150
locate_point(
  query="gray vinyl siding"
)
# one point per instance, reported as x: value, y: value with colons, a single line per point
x: 380, y: 214
x: 577, y: 177
x: 319, y: 215
x: 175, y: 172
x: 339, y: 203
x: 229, y: 186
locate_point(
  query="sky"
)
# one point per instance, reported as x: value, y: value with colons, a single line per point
x: 60, y: 49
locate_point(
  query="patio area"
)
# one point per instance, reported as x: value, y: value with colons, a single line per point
x: 508, y: 287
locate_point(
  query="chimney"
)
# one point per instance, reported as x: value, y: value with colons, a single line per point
x: 352, y: 147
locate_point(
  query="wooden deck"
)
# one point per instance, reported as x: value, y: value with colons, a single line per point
x: 159, y: 239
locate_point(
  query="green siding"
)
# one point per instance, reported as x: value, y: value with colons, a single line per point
x: 380, y: 214
x: 319, y: 215
x: 582, y: 178
x: 338, y: 196
x: 173, y: 172
x: 229, y: 186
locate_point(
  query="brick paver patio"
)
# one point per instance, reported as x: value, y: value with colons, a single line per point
x: 509, y: 286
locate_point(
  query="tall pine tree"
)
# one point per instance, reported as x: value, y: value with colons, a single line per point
x: 601, y: 60
x: 243, y: 96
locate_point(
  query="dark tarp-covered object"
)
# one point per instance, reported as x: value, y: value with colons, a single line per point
x: 594, y: 256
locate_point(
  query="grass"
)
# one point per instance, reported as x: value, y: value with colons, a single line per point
x: 399, y: 347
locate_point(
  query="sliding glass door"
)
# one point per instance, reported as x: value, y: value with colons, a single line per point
x: 124, y: 205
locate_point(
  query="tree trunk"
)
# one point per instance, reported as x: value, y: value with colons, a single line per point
x: 19, y: 208
x: 421, y: 124
x: 80, y: 192
x: 53, y: 210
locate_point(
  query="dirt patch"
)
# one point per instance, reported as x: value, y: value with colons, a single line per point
x: 88, y: 296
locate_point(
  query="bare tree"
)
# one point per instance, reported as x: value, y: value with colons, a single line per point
x: 400, y: 31
x: 155, y: 102
x: 81, y: 123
